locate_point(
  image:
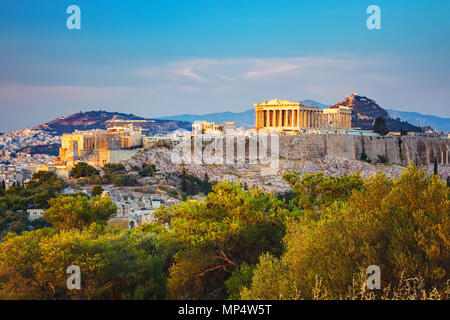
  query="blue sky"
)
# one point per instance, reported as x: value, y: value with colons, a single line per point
x: 156, y: 58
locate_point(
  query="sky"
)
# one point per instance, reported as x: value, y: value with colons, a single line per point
x: 166, y: 57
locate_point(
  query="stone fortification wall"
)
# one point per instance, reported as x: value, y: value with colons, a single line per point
x: 397, y: 150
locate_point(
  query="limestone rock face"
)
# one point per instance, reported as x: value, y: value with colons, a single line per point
x: 332, y: 154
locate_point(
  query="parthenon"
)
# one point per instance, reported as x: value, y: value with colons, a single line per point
x: 286, y: 115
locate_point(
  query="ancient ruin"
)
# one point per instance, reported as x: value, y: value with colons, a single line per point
x: 285, y: 115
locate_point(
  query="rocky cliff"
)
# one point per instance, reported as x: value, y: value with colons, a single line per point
x: 331, y: 154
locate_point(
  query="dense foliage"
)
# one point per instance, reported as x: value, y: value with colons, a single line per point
x: 82, y: 169
x: 66, y: 213
x: 15, y: 200
x: 231, y: 227
x: 314, y: 241
x: 403, y: 226
x: 192, y: 185
x: 114, y: 264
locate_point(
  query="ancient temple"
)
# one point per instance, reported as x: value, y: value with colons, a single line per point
x: 286, y: 115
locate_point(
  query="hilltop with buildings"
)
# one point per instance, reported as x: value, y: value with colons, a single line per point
x: 336, y: 140
x: 100, y: 137
x: 104, y: 119
x: 364, y: 112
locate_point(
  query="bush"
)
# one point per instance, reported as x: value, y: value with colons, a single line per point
x: 82, y: 169
x: 382, y: 159
x: 365, y: 157
x: 96, y: 190
x: 148, y: 170
x: 123, y: 180
x: 113, y: 167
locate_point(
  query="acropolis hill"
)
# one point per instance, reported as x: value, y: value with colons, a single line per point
x: 309, y: 136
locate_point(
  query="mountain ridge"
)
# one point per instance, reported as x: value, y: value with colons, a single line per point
x: 90, y: 120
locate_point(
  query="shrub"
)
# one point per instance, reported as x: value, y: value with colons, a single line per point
x: 148, y: 170
x: 382, y: 159
x: 113, y: 167
x: 123, y: 180
x: 96, y: 190
x: 365, y: 157
x: 82, y: 169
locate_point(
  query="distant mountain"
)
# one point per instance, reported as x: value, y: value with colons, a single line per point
x: 98, y: 120
x: 422, y: 120
x: 244, y: 119
x: 313, y: 103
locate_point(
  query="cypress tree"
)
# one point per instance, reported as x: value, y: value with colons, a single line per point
x: 380, y: 126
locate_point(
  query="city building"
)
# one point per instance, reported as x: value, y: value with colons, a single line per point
x: 34, y: 214
x: 290, y: 116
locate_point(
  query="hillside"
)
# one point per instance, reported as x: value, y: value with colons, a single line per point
x: 97, y: 120
x: 365, y: 110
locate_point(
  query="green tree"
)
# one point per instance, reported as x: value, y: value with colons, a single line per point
x: 82, y: 169
x: 403, y: 132
x: 66, y: 213
x: 229, y: 228
x: 380, y: 126
x: 148, y: 170
x: 382, y: 159
x: 115, y: 264
x: 402, y: 226
x: 97, y: 190
x: 123, y: 180
x: 314, y: 191
x: 113, y: 168
x: 206, y: 186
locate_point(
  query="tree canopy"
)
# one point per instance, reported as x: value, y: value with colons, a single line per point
x: 66, y: 212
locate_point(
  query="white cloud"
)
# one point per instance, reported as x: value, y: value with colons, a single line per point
x: 215, y: 85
